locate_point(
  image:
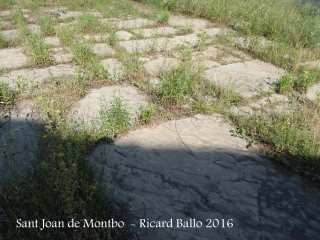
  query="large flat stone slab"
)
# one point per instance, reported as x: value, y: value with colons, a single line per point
x: 64, y: 15
x: 86, y: 111
x: 133, y: 23
x: 30, y: 77
x: 18, y: 141
x: 195, y: 23
x: 275, y: 103
x: 313, y: 92
x: 103, y: 50
x: 154, y: 32
x: 11, y: 58
x: 248, y: 78
x: 10, y: 34
x: 194, y: 169
x: 154, y: 67
x: 158, y: 44
x: 114, y: 67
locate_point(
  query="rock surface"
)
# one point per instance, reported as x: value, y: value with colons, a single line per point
x: 247, y: 79
x: 87, y: 109
x: 154, y: 67
x: 18, y: 142
x: 194, y: 169
x: 313, y: 92
x: 30, y: 77
x: 12, y: 58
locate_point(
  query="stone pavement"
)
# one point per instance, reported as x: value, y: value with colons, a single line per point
x: 194, y: 169
x: 185, y: 169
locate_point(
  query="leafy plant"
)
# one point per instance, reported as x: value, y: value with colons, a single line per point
x: 116, y: 119
x: 39, y: 50
x: 147, y: 113
x: 6, y: 96
x: 298, y: 82
x: 47, y: 24
x: 177, y: 84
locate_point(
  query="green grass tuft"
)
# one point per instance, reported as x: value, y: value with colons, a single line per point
x: 116, y: 119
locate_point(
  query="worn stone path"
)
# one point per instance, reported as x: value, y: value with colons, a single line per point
x: 194, y: 169
x: 185, y: 169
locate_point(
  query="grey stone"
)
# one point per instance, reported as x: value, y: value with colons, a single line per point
x: 30, y: 77
x: 181, y: 21
x: 10, y: 34
x: 313, y: 92
x: 103, y: 50
x: 133, y: 23
x: 194, y: 169
x: 52, y: 41
x: 86, y: 111
x: 154, y: 67
x: 154, y: 44
x: 247, y: 79
x: 115, y: 68
x: 12, y: 58
x: 153, y: 32
x: 18, y: 141
x: 123, y: 35
x: 65, y: 15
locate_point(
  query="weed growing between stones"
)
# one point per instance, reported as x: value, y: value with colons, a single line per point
x: 299, y: 81
x: 88, y: 23
x: 66, y: 35
x: 147, y: 113
x: 6, y: 4
x: 6, y: 96
x: 186, y: 29
x: 47, y: 24
x: 116, y: 119
x: 112, y: 38
x: 164, y: 17
x: 176, y: 85
x: 38, y: 51
x: 18, y: 18
x: 88, y: 61
x: 3, y: 43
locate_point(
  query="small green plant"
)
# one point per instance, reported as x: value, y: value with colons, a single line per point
x: 89, y: 23
x: 112, y: 38
x: 39, y: 51
x: 18, y: 18
x: 5, y: 4
x: 47, y: 24
x: 6, y: 96
x: 87, y: 60
x: 3, y: 43
x: 147, y: 113
x: 242, y: 133
x: 132, y: 62
x: 66, y: 35
x: 204, y: 40
x: 164, y: 17
x: 298, y: 82
x: 116, y: 119
x: 186, y: 29
x: 177, y: 85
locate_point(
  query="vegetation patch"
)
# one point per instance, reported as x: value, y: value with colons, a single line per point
x: 47, y: 24
x: 116, y: 119
x: 38, y: 51
x: 292, y: 135
x: 87, y: 60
